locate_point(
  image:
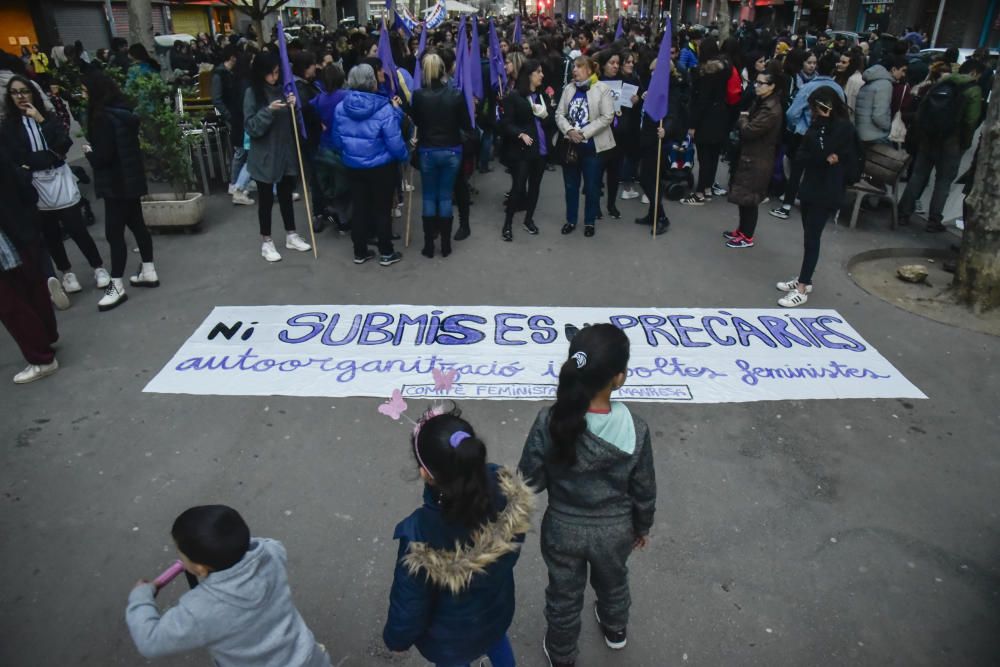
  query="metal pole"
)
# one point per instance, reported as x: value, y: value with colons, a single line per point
x: 937, y: 23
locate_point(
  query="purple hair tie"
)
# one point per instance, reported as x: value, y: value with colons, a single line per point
x: 457, y: 437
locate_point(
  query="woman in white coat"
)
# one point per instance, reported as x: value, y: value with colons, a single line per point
x: 586, y: 109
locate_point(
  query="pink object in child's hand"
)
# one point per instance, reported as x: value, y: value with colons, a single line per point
x: 168, y: 575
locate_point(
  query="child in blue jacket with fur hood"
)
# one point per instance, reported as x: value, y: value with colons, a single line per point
x: 453, y: 591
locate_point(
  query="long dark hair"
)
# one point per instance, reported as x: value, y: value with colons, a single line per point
x: 597, y: 354
x: 448, y: 448
x: 523, y: 85
x: 263, y: 64
x: 36, y: 99
x: 102, y: 92
x: 826, y: 96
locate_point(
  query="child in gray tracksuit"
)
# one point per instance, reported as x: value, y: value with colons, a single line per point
x: 242, y: 609
x: 596, y: 461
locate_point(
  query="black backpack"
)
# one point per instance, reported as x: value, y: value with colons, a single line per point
x: 940, y: 112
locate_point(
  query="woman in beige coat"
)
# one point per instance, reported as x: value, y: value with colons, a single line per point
x: 586, y: 109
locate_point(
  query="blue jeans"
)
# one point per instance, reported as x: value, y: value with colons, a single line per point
x: 589, y: 169
x: 239, y: 161
x: 438, y: 168
x: 500, y: 654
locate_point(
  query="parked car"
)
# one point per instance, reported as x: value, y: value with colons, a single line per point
x: 853, y: 38
x: 963, y: 54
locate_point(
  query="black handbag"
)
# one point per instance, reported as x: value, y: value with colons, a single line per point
x: 566, y: 152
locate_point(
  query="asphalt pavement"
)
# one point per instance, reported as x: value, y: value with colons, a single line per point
x: 822, y: 532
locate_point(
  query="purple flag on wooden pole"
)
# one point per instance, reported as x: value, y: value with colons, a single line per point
x: 658, y: 97
x: 462, y: 70
x: 385, y: 55
x: 287, y: 78
x: 498, y: 70
x: 517, y: 29
x: 619, y: 32
x: 476, y: 59
x: 418, y: 71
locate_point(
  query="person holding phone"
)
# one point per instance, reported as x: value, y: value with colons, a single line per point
x: 829, y: 144
x: 272, y: 162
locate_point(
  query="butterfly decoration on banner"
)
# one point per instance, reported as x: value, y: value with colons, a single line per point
x: 443, y: 381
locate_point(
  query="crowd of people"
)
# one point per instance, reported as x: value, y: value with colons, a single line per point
x: 791, y: 118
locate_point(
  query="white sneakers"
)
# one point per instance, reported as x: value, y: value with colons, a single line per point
x: 407, y: 186
x: 70, y: 283
x: 269, y: 252
x: 101, y: 277
x: 57, y: 294
x: 146, y: 277
x: 793, y: 297
x: 645, y: 199
x: 397, y: 211
x: 114, y: 295
x: 792, y: 285
x: 241, y: 198
x: 295, y: 242
x: 36, y: 372
x: 292, y: 241
x: 629, y: 193
x: 232, y: 189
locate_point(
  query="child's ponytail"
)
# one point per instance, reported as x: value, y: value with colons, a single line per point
x: 455, y: 458
x: 597, y: 354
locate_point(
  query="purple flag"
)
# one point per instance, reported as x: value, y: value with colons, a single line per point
x: 658, y: 96
x: 462, y: 70
x: 619, y: 32
x: 498, y: 70
x: 475, y: 56
x: 418, y: 71
x: 287, y: 79
x: 385, y: 55
x: 517, y: 29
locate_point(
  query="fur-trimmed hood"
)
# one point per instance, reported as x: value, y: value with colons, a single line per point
x: 453, y: 569
x: 713, y: 66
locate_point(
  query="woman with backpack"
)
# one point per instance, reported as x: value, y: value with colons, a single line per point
x: 709, y: 119
x: 759, y: 131
x: 827, y: 152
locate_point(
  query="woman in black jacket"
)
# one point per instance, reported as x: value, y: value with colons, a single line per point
x: 827, y: 148
x: 119, y: 179
x: 441, y: 116
x: 709, y: 119
x: 39, y: 142
x: 25, y: 307
x: 610, y: 62
x: 527, y: 127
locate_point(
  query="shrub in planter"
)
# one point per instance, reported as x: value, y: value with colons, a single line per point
x: 167, y: 150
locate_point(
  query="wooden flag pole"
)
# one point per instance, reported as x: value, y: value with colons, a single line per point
x: 656, y: 200
x: 409, y: 196
x: 305, y: 185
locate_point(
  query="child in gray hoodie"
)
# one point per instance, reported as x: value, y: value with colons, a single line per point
x: 242, y: 609
x: 596, y: 461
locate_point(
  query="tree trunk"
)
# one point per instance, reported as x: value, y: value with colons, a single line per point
x: 328, y: 13
x: 258, y: 27
x: 140, y: 23
x: 977, y: 279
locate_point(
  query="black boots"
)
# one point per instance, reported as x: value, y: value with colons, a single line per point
x: 463, y: 230
x: 430, y: 232
x: 444, y: 227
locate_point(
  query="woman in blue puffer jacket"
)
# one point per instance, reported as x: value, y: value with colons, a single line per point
x: 366, y: 132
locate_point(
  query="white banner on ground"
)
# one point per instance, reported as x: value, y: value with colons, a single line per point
x: 694, y: 355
